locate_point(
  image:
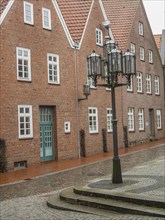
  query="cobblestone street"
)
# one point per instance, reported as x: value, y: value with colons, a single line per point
x: 27, y: 199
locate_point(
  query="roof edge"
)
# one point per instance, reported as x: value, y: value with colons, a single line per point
x: 139, y: 4
x: 106, y: 18
x: 6, y: 10
x: 86, y: 24
x: 71, y: 42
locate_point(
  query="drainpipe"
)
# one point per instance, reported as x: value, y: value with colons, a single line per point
x: 76, y: 46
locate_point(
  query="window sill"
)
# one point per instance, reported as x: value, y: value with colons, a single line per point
x: 94, y: 132
x: 31, y: 24
x: 93, y: 87
x: 54, y: 83
x: 24, y: 80
x: 47, y: 29
x: 25, y: 138
x: 131, y: 131
x: 131, y: 91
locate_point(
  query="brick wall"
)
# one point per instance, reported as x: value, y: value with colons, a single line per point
x: 15, y: 33
x: 144, y: 100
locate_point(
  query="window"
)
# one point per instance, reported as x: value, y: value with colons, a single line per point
x: 157, y: 89
x: 141, y: 119
x: 25, y: 121
x: 139, y: 82
x: 91, y: 83
x: 130, y: 87
x: 142, y: 53
x: 99, y: 37
x: 150, y: 56
x: 53, y: 69
x: 93, y: 120
x: 141, y: 29
x: 23, y: 64
x: 158, y: 119
x: 109, y: 120
x: 28, y: 13
x: 130, y: 119
x: 46, y: 18
x: 133, y: 48
x: 148, y: 83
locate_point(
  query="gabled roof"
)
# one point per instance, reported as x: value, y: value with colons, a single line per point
x: 3, y: 5
x: 121, y: 14
x: 75, y: 14
x: 158, y: 38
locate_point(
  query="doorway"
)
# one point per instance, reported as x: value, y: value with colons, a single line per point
x: 46, y: 134
x: 151, y: 124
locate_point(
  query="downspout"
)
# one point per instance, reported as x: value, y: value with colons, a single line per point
x: 76, y: 46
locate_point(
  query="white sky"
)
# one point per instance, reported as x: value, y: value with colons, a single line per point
x: 155, y: 10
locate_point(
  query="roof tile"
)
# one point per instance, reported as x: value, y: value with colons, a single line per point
x: 121, y: 14
x: 75, y: 13
x: 158, y: 39
x: 3, y: 5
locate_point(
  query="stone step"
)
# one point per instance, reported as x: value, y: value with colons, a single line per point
x: 125, y: 197
x: 56, y: 203
x: 69, y: 196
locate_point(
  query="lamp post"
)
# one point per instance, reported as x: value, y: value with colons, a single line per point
x: 108, y: 68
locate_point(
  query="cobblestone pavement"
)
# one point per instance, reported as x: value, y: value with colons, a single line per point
x: 27, y: 199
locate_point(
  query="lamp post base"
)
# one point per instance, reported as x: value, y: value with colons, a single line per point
x: 116, y: 175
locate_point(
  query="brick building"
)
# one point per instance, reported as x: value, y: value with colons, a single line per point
x: 44, y: 46
x: 142, y: 103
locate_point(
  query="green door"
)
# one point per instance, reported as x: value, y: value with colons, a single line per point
x: 46, y: 134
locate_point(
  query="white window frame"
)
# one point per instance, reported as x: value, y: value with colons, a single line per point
x: 93, y: 120
x: 150, y: 56
x: 157, y: 85
x: 141, y: 119
x: 131, y: 123
x: 141, y: 29
x: 23, y: 56
x: 133, y: 48
x: 90, y: 82
x: 130, y: 88
x: 99, y: 37
x: 139, y: 82
x: 25, y: 121
x: 142, y: 54
x: 109, y: 120
x: 158, y: 119
x: 46, y: 18
x: 29, y: 14
x: 148, y: 84
x: 55, y: 69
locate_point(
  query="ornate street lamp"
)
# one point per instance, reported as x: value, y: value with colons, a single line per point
x: 110, y: 67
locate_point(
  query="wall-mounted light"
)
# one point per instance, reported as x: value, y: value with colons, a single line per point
x: 86, y: 92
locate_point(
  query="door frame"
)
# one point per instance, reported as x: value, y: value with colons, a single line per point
x: 43, y: 125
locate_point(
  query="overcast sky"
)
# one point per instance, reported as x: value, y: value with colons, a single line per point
x: 155, y: 10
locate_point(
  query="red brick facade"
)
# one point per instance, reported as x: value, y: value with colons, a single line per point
x: 149, y: 102
x: 62, y: 97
